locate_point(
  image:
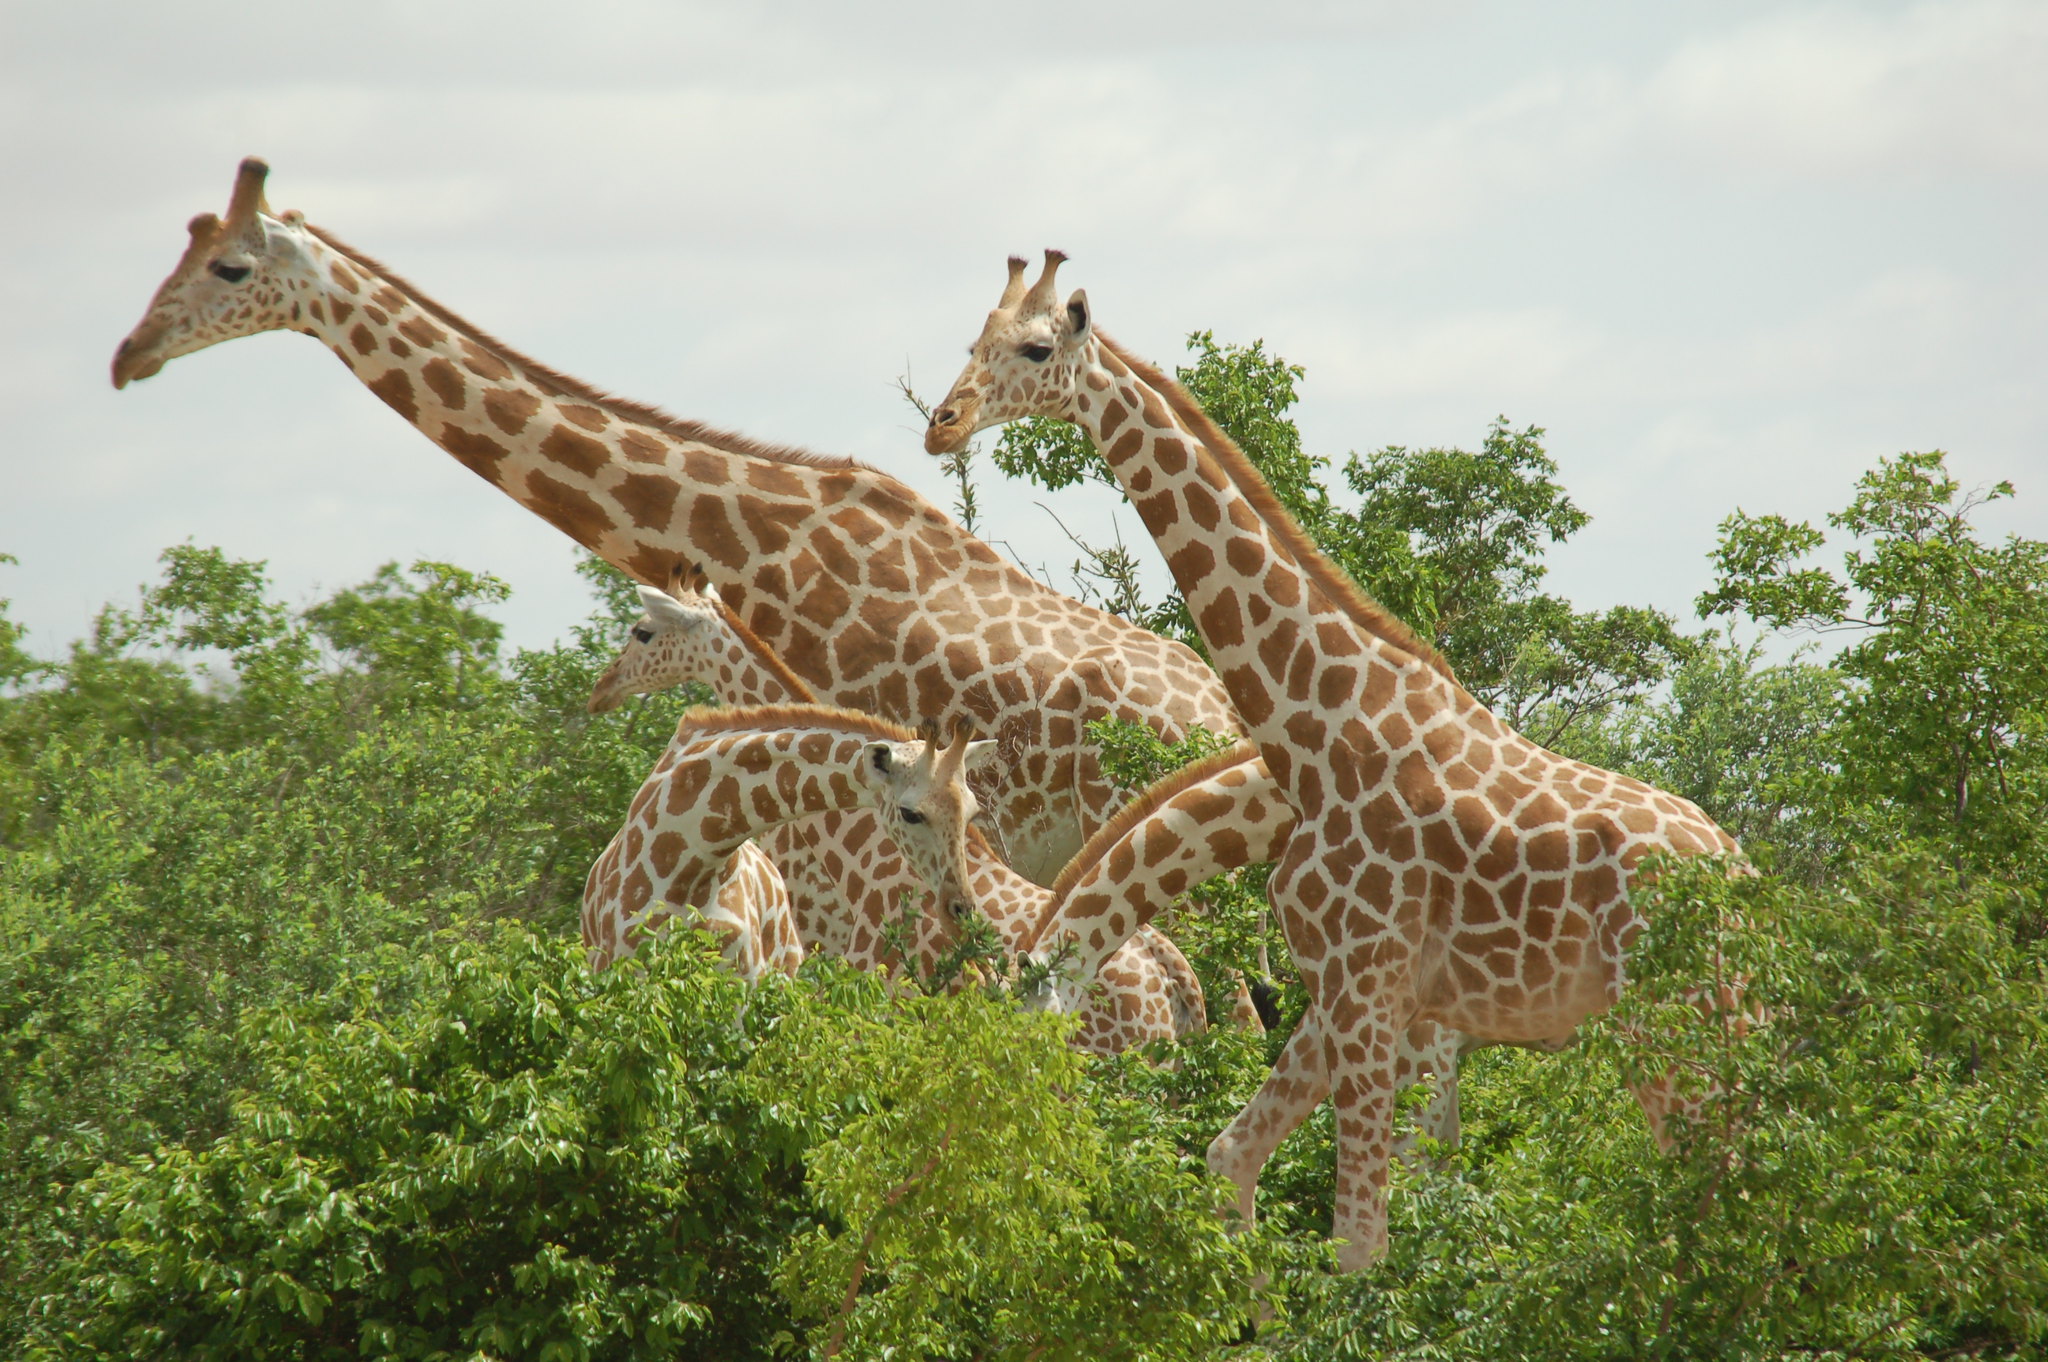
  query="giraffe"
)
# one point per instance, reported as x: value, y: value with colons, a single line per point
x: 1209, y: 818
x: 728, y: 774
x: 873, y: 595
x: 844, y: 875
x: 1444, y: 872
x: 746, y: 906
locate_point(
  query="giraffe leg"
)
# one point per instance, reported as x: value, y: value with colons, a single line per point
x: 1673, y: 1093
x: 1294, y: 1089
x: 749, y: 911
x: 782, y: 947
x: 1359, y: 1045
x: 1428, y: 1048
x: 1298, y: 1085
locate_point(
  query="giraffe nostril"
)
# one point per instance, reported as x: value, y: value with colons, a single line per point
x: 958, y: 908
x: 945, y: 416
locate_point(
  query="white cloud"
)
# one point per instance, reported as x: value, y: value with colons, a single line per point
x: 1694, y: 251
x: 1518, y: 358
x: 1933, y: 91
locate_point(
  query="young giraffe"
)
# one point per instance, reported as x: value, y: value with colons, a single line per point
x: 1445, y: 871
x: 730, y: 774
x: 746, y: 905
x: 845, y: 878
x: 873, y: 595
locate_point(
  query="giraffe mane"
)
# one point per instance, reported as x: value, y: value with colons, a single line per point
x: 765, y: 655
x: 760, y: 718
x: 642, y: 413
x: 1323, y: 574
x: 1141, y: 806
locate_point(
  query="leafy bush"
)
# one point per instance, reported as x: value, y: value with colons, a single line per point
x: 493, y: 1152
x: 1864, y: 1178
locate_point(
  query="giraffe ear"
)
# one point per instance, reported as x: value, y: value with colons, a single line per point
x: 1077, y: 314
x: 979, y: 754
x: 665, y: 610
x: 881, y: 758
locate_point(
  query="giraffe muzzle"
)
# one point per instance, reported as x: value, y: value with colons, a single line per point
x: 135, y: 360
x: 952, y: 425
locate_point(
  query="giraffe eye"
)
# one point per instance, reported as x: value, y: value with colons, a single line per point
x: 1038, y: 354
x: 643, y: 634
x: 233, y: 274
x: 911, y: 816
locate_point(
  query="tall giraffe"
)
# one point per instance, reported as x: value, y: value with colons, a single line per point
x: 843, y: 874
x: 873, y: 595
x: 1444, y: 870
x: 730, y: 774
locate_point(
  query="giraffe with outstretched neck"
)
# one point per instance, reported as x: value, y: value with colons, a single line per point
x: 842, y: 874
x: 874, y: 596
x: 1444, y: 871
x: 731, y: 774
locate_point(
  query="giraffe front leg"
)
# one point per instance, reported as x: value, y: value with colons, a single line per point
x: 1295, y: 1088
x: 1360, y: 1042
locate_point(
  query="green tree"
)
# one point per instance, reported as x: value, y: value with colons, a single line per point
x: 1751, y: 743
x: 1478, y: 524
x: 16, y: 665
x: 1943, y: 728
x: 205, y: 814
x: 492, y: 1152
x: 973, y: 1207
x: 419, y: 639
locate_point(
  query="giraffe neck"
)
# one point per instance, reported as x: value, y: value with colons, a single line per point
x: 840, y: 568
x: 751, y: 674
x: 725, y: 655
x: 728, y: 777
x: 1287, y: 632
x: 729, y: 658
x: 875, y: 598
x: 718, y: 786
x: 1205, y: 820
x: 1011, y: 903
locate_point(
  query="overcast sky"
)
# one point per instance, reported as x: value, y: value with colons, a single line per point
x: 1728, y: 254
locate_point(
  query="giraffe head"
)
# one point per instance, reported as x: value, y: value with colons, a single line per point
x: 1026, y: 362
x: 241, y: 274
x: 921, y: 798
x: 675, y: 641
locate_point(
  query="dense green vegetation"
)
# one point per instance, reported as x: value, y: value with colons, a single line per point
x: 299, y: 1058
